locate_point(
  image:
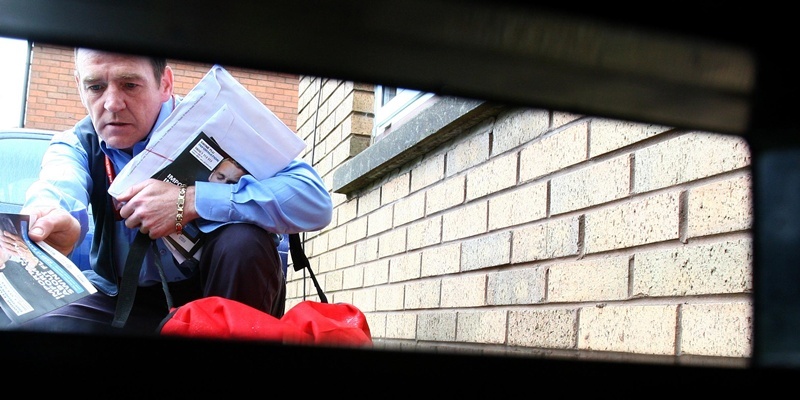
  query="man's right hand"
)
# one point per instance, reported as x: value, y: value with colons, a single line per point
x: 54, y: 226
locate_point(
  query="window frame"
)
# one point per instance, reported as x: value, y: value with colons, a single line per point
x: 391, y: 114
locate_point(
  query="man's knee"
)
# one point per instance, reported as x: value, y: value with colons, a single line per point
x: 241, y: 237
x: 243, y: 244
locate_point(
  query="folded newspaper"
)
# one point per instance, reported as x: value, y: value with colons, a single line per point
x: 202, y: 160
x: 222, y: 109
x: 34, y: 278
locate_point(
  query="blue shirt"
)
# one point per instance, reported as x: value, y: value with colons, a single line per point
x: 294, y: 200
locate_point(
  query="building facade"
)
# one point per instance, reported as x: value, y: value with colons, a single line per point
x: 52, y: 100
x: 478, y: 227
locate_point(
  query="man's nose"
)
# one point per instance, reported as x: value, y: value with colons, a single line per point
x: 115, y: 100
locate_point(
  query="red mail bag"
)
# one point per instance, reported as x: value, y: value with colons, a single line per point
x: 308, y: 322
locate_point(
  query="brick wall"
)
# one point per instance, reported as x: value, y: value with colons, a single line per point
x: 53, y: 101
x: 542, y: 233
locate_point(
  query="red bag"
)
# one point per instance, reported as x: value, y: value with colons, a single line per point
x: 308, y: 322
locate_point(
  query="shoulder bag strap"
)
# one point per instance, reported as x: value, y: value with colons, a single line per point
x: 301, y: 261
x: 130, y: 278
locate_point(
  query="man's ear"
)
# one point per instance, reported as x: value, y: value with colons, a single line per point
x: 167, y: 84
x: 80, y: 90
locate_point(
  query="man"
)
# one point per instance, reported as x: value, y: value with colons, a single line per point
x: 127, y: 97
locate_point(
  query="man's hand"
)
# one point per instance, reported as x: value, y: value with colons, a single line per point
x: 54, y: 226
x: 152, y: 206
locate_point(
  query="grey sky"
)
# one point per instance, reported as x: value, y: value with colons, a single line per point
x: 12, y: 80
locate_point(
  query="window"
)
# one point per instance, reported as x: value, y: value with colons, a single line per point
x: 393, y: 106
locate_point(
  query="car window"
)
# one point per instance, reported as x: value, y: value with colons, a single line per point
x: 20, y: 158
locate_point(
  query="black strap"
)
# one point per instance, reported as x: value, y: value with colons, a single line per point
x: 164, y: 285
x: 130, y: 278
x: 301, y: 261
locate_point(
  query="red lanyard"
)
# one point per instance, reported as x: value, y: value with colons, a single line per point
x: 111, y: 174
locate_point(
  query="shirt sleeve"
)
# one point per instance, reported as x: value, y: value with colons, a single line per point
x: 64, y: 179
x: 294, y: 200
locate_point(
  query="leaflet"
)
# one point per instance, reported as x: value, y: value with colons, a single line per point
x: 34, y: 277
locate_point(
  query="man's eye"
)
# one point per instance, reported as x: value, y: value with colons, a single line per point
x: 130, y: 85
x: 94, y: 88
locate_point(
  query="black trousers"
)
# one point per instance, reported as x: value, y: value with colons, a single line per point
x: 238, y: 262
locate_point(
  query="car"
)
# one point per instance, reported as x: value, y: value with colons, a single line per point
x: 21, y: 151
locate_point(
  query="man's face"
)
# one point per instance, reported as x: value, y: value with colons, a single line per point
x: 121, y: 94
x: 226, y: 172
